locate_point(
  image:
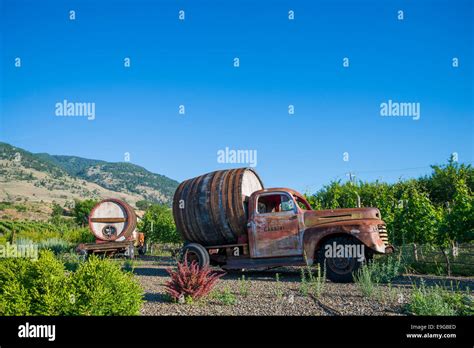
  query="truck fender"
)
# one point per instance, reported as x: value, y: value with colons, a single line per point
x: 313, y: 238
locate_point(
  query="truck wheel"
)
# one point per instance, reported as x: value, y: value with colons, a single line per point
x: 142, y: 250
x: 196, y: 252
x: 339, y: 269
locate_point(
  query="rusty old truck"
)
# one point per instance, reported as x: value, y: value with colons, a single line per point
x: 228, y: 219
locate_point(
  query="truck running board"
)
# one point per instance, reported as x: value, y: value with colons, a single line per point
x: 247, y: 263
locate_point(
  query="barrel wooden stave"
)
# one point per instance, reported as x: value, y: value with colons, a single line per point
x: 214, y: 211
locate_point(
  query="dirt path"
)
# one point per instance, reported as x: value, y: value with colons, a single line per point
x: 266, y: 296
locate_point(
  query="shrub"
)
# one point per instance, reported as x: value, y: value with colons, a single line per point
x: 312, y: 284
x: 278, y: 286
x: 319, y: 282
x: 304, y: 286
x: 101, y: 288
x: 128, y: 265
x: 425, y: 301
x: 14, y: 296
x: 439, y: 301
x: 416, y: 219
x: 48, y: 285
x: 364, y: 280
x: 225, y: 297
x: 14, y: 299
x: 57, y: 210
x: 32, y: 287
x: 386, y: 269
x: 70, y: 260
x: 78, y: 235
x: 40, y: 231
x: 244, y: 286
x: 388, y: 294
x: 24, y: 242
x: 437, y: 208
x: 461, y: 302
x: 44, y: 287
x: 191, y: 281
x: 56, y: 245
x: 376, y: 272
x: 158, y: 225
x: 82, y: 209
x: 458, y: 221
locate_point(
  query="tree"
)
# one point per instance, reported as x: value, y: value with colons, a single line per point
x: 143, y: 204
x: 57, y: 210
x: 158, y: 225
x: 441, y: 183
x: 458, y: 220
x: 416, y: 219
x: 335, y: 195
x: 82, y: 209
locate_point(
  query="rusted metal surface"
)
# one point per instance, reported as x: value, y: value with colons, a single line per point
x: 256, y: 263
x: 108, y: 219
x: 139, y: 239
x: 222, y: 212
x: 211, y: 209
x: 360, y: 223
x: 312, y: 228
x: 106, y: 246
x: 274, y: 234
x: 361, y: 230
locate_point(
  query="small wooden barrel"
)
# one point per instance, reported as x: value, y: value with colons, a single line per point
x: 112, y: 220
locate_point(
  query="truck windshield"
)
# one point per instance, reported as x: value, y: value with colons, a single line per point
x: 302, y: 203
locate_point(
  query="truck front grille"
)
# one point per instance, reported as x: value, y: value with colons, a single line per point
x: 383, y: 233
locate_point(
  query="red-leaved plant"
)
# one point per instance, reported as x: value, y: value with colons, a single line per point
x: 190, y: 280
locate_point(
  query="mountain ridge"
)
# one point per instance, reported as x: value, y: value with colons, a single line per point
x: 21, y: 169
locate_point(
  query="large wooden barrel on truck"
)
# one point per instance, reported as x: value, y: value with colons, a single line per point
x: 211, y: 209
x: 113, y: 222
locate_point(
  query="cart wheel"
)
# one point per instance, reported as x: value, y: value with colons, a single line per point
x: 83, y: 255
x: 142, y: 250
x: 130, y: 252
x: 195, y: 252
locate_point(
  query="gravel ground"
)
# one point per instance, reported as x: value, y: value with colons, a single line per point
x: 266, y: 296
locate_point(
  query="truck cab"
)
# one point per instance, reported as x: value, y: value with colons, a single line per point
x: 283, y: 230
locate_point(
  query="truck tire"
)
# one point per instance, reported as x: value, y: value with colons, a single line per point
x: 195, y: 252
x: 142, y: 250
x: 339, y: 269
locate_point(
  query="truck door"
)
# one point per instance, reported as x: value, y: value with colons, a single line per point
x: 274, y: 229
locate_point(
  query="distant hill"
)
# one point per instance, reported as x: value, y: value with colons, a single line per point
x: 35, y: 177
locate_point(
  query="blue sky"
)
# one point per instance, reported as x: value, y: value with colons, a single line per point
x: 282, y: 62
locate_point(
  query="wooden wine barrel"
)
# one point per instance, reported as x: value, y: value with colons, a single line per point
x: 211, y: 209
x: 112, y: 220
